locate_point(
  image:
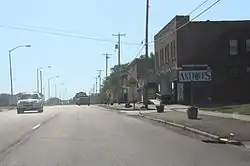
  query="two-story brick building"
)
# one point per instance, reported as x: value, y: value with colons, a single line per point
x: 223, y: 46
x: 141, y: 70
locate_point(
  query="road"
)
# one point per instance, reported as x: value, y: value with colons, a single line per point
x: 93, y: 136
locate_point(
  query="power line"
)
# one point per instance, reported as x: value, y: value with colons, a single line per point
x: 198, y: 15
x: 141, y: 49
x: 139, y: 52
x: 59, y: 32
x: 200, y: 5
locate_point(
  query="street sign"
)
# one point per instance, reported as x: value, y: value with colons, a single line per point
x: 194, y: 75
x: 132, y: 81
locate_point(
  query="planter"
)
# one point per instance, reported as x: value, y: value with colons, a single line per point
x: 192, y: 113
x: 160, y: 108
x: 128, y: 105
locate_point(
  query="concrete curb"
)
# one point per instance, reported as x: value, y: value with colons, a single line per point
x: 119, y: 109
x: 196, y: 131
x: 209, y: 135
x: 123, y: 109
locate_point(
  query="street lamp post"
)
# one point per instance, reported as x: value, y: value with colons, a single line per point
x: 60, y: 91
x: 39, y: 71
x: 11, y: 76
x: 49, y: 85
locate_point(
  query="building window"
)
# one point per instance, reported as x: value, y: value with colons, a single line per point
x: 233, y: 47
x: 248, y: 45
x: 174, y: 55
x: 156, y: 60
x: 160, y: 60
x: 162, y: 57
x: 166, y: 54
x: 171, y: 50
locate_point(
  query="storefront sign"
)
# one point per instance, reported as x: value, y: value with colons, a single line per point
x: 194, y: 75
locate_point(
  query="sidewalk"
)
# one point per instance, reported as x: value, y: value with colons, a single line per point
x: 183, y: 108
x: 180, y: 108
x: 215, y: 125
x: 121, y: 107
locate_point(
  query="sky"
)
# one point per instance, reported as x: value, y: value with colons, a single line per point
x: 76, y: 59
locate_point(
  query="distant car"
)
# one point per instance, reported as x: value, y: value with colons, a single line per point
x: 83, y: 100
x: 29, y: 101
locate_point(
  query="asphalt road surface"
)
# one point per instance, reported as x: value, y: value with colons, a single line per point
x: 94, y: 136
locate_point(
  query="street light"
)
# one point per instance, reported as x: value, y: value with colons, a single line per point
x: 39, y: 71
x: 49, y: 85
x: 60, y: 91
x: 11, y: 77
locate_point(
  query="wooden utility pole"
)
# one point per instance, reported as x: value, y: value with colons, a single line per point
x: 119, y: 61
x: 96, y: 85
x: 119, y: 46
x: 146, y: 53
x: 107, y: 58
x: 100, y: 79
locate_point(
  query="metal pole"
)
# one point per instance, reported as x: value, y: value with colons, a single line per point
x: 119, y: 62
x: 44, y: 92
x: 107, y: 66
x: 11, y: 80
x: 146, y: 53
x: 55, y: 91
x: 119, y: 49
x: 107, y: 57
x: 133, y: 97
x: 41, y: 81
x: 100, y: 83
x: 96, y: 85
x: 100, y: 79
x: 192, y: 95
x: 48, y: 88
x: 37, y: 80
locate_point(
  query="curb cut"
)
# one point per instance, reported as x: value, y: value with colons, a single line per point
x: 196, y: 131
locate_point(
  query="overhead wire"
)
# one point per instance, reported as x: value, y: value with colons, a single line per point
x: 200, y: 5
x: 198, y: 15
x: 59, y: 32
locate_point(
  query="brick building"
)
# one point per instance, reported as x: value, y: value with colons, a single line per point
x: 223, y: 46
x: 139, y: 69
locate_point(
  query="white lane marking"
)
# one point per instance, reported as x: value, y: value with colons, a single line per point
x: 35, y: 127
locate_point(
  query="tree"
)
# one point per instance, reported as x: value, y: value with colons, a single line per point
x: 151, y: 55
x: 112, y: 82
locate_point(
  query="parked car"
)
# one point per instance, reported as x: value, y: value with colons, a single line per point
x: 30, y: 101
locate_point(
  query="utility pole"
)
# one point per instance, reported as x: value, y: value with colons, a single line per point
x: 146, y: 53
x: 119, y: 46
x: 41, y: 81
x: 106, y: 57
x: 119, y: 61
x: 93, y: 89
x: 37, y: 80
x: 96, y: 85
x: 100, y: 79
x: 48, y: 88
x: 55, y: 91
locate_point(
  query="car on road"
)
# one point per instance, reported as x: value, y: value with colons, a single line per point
x: 30, y: 101
x: 83, y: 100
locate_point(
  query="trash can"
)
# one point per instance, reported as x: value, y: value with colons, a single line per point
x: 160, y: 108
x: 192, y: 113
